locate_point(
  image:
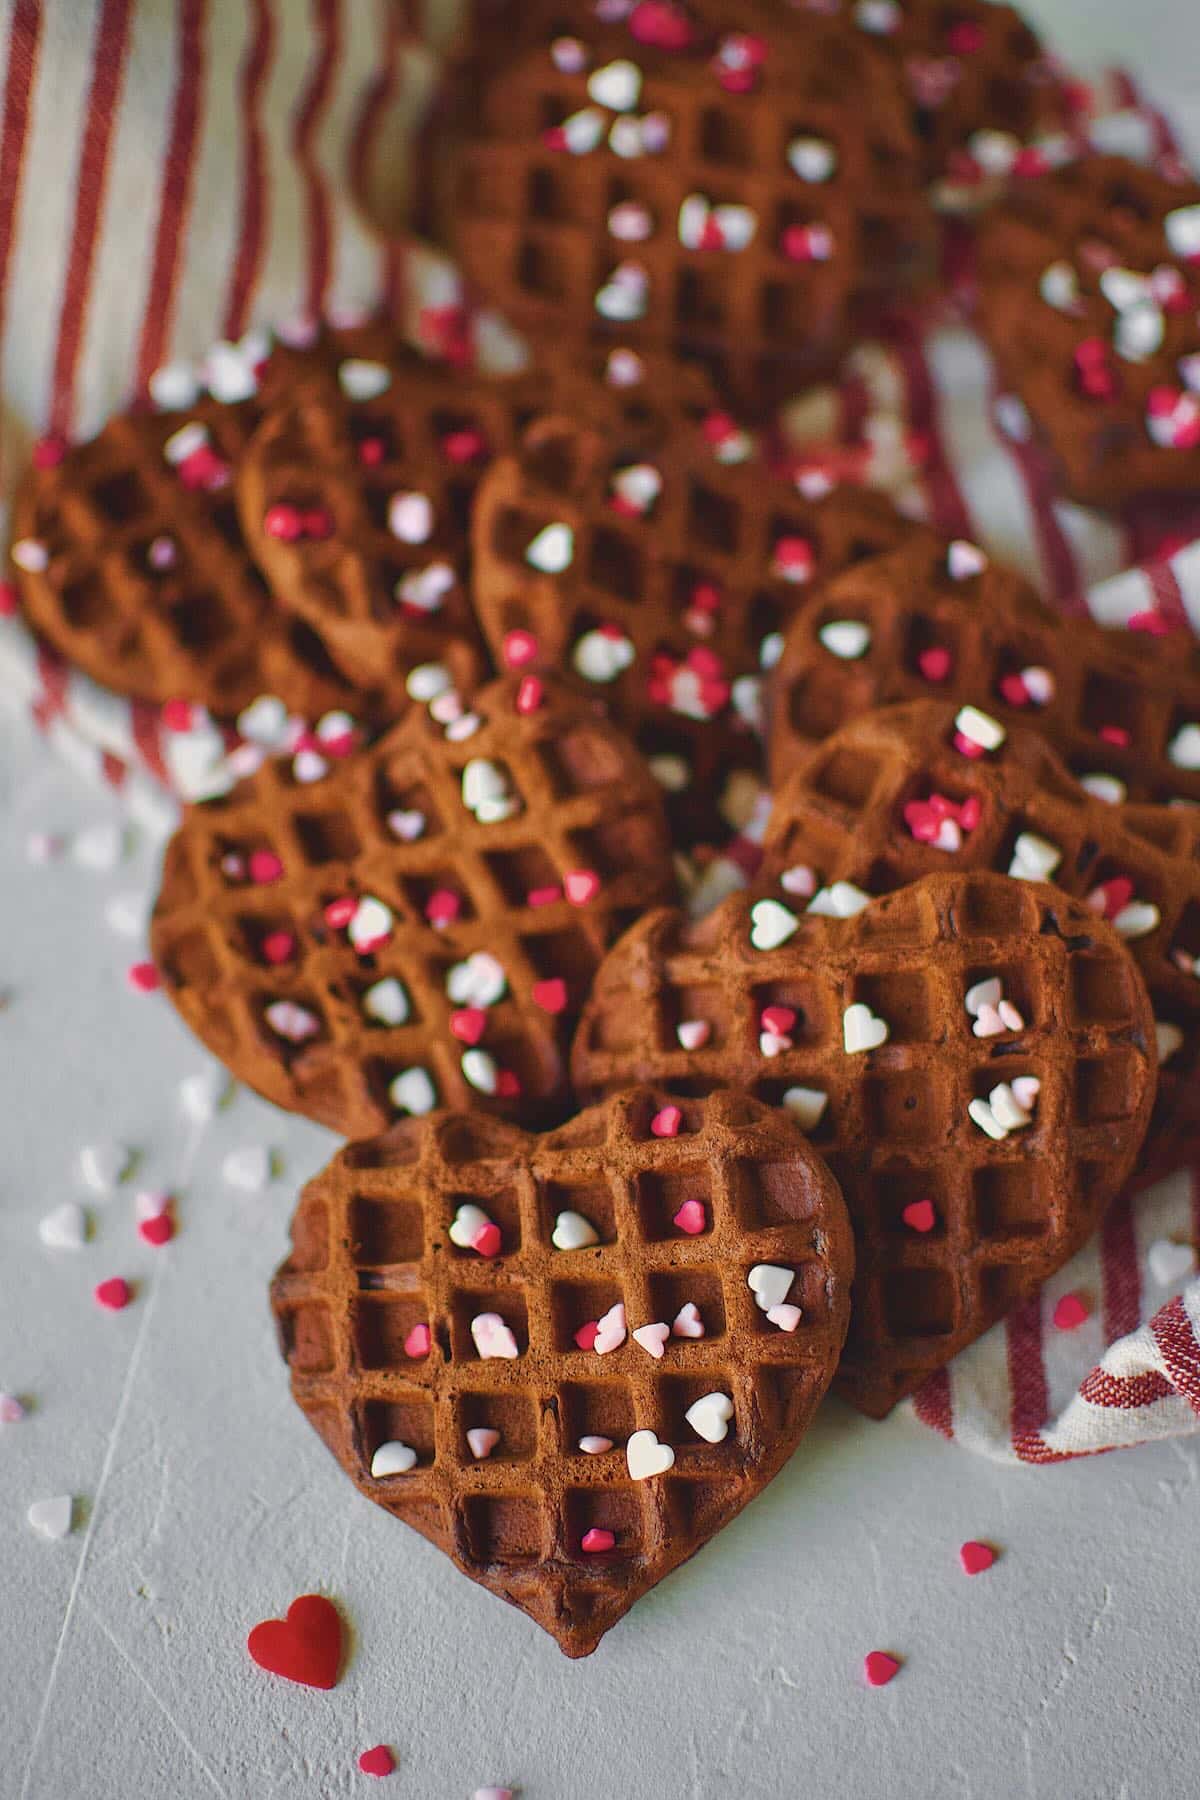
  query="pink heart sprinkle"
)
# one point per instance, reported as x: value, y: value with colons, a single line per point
x: 265, y: 867
x: 585, y: 1337
x: 481, y: 1441
x: 112, y: 1294
x: 442, y: 907
x: 11, y: 1410
x: 777, y: 1019
x: 934, y: 663
x: 1013, y: 689
x: 879, y: 1667
x: 279, y: 946
x: 486, y: 1241
x: 339, y: 913
x: 142, y: 977
x: 530, y: 695
x: 597, y: 1540
x: 687, y: 1322
x: 469, y: 1024
x: 976, y: 1557
x: 550, y: 996
x: 158, y: 1229
x: 418, y: 1342
x: 653, y: 1339
x: 1071, y: 1312
x: 177, y: 715
x: 283, y: 522
x: 543, y: 896
x: 919, y: 1215
x: 581, y: 885
x: 666, y: 1122
x: 520, y: 648
x: 378, y: 1761
x: 691, y: 1217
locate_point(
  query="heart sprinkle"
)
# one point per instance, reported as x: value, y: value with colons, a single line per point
x: 418, y: 1343
x: 306, y: 1647
x: 611, y: 1330
x: 481, y: 1441
x: 862, y: 1030
x: 976, y: 1557
x: 879, y: 1668
x: 471, y: 1229
x: 493, y: 1338
x: 66, y: 1228
x: 378, y: 1761
x: 691, y: 1218
x: 114, y: 1294
x: 393, y: 1458
x: 709, y: 1417
x: 573, y: 1232
x: 770, y: 1284
x: 51, y: 1518
x: 653, y: 1339
x: 646, y: 1457
x: 666, y: 1122
x: 771, y: 924
x: 919, y: 1215
x: 595, y: 1446
x: 596, y: 1541
x: 1071, y: 1312
x: 687, y: 1322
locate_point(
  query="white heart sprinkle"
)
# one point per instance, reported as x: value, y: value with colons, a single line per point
x: 639, y: 484
x: 709, y: 1417
x: 174, y: 387
x: 983, y: 1116
x: 51, y: 1518
x: 1170, y: 1264
x: 806, y: 1106
x: 812, y: 158
x: 552, y: 550
x: 482, y: 783
x: 569, y: 55
x: 410, y: 517
x: 1059, y: 287
x: 846, y: 638
x: 1108, y: 788
x: 387, y: 1001
x: 264, y: 721
x: 646, y: 1457
x: 100, y: 847
x: 770, y: 1284
x: 841, y: 901
x: 980, y: 728
x: 591, y: 1445
x: 427, y: 681
x: 687, y: 1322
x: 1169, y: 1039
x: 799, y: 880
x: 1137, y: 919
x: 1026, y: 1089
x: 370, y: 925
x: 493, y: 1339
x: 127, y: 914
x: 624, y: 300
x: 618, y: 85
x: 413, y: 1092
x: 787, y: 1316
x: 630, y: 222
x: 66, y: 1228
x: 1139, y: 331
x: 308, y: 765
x: 862, y: 1030
x: 964, y: 559
x: 583, y: 131
x: 250, y: 1167
x: 393, y: 1458
x: 1039, y: 684
x: 407, y: 826
x: 1182, y: 227
x: 771, y: 924
x: 31, y: 555
x: 1123, y: 288
x: 103, y: 1166
x: 481, y: 1441
x: 602, y: 655
x: 653, y: 1339
x: 611, y: 1330
x: 360, y: 380
x: 1034, y: 858
x: 204, y: 1095
x: 185, y: 442
x: 426, y: 588
x: 229, y: 374
x: 479, y: 981
x: 1184, y: 748
x: 984, y: 993
x: 693, y: 1034
x: 466, y: 1225
x: 294, y: 1023
x: 573, y: 1232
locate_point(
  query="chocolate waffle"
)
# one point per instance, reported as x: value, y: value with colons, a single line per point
x: 703, y: 188
x: 534, y: 1467
x: 355, y: 495
x: 421, y: 926
x: 661, y: 580
x: 967, y: 1184
x: 1121, y: 708
x: 888, y: 799
x: 1089, y: 296
x: 129, y: 561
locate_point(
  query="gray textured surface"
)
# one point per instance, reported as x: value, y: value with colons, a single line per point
x: 205, y: 1503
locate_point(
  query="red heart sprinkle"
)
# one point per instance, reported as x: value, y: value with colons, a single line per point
x: 318, y: 523
x: 581, y: 885
x: 265, y: 867
x: 158, y: 1230
x: 543, y: 896
x: 585, y: 1337
x: 1013, y: 689
x: 934, y: 663
x: 665, y: 1124
x: 463, y: 446
x: 378, y: 1761
x: 418, y: 1342
x: 920, y: 1216
x: 508, y: 1084
x: 112, y: 1294
x: 486, y: 1241
x: 279, y: 946
x: 659, y: 23
x: 970, y: 812
x: 283, y: 522
x: 443, y: 907
x: 778, y: 1019
x: 1114, y: 734
x: 529, y: 696
x: 879, y: 1667
x: 142, y: 977
x: 520, y: 648
x: 339, y: 913
x: 469, y: 1024
x: 597, y: 1540
x: 305, y: 1647
x: 177, y: 715
x: 691, y: 1218
x: 976, y: 1557
x: 550, y: 995
x: 1071, y: 1312
x: 371, y: 452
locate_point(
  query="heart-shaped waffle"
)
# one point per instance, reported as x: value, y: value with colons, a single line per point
x: 661, y: 580
x: 1122, y: 709
x: 703, y: 188
x: 420, y: 927
x: 889, y: 798
x: 130, y: 562
x: 466, y: 1391
x: 355, y: 495
x: 861, y: 1027
x: 1089, y: 296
